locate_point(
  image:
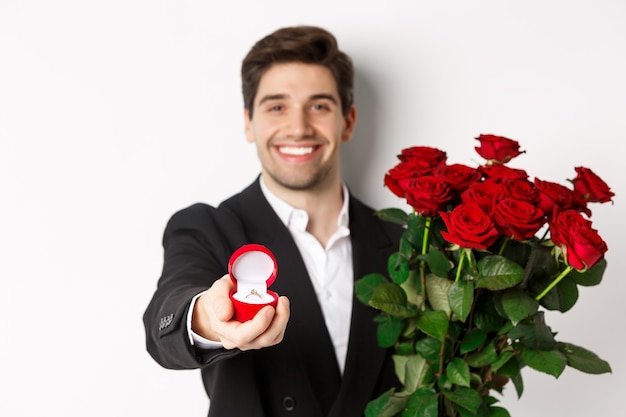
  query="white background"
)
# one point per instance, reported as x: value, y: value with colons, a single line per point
x: 114, y: 114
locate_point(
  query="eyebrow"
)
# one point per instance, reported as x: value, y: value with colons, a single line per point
x: 320, y: 96
x: 323, y: 96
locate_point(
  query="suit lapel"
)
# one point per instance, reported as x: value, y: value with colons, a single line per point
x: 365, y: 358
x: 306, y: 336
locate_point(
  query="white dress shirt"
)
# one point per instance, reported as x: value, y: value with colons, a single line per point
x: 330, y: 269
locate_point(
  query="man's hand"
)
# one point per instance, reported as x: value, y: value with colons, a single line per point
x: 212, y: 319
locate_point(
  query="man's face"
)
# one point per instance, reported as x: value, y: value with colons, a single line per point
x: 298, y: 126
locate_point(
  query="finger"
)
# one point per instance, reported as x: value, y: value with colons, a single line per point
x: 283, y: 308
x: 281, y: 318
x: 246, y: 335
x: 275, y: 330
x: 220, y: 301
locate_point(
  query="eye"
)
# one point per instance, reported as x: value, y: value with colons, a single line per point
x: 321, y: 107
x: 275, y: 108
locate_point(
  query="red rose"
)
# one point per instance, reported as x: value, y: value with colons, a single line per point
x: 590, y: 187
x: 517, y: 219
x: 582, y: 246
x: 501, y: 172
x: 485, y: 194
x: 553, y: 195
x: 459, y: 176
x: 520, y: 189
x: 428, y: 194
x: 567, y: 219
x: 497, y: 148
x: 397, y: 177
x: 469, y: 227
x: 423, y: 157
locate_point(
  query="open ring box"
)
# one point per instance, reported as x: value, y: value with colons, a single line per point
x: 252, y: 268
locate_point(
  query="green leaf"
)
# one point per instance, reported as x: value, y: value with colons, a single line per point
x: 534, y: 333
x: 393, y: 215
x: 461, y: 298
x: 438, y: 262
x: 433, y: 323
x: 391, y: 299
x: 437, y: 291
x: 410, y: 329
x: 414, y: 233
x: 412, y: 370
x: 462, y: 412
x: 365, y: 286
x: 583, y: 359
x: 455, y: 330
x: 387, y: 405
x: 510, y: 367
x: 518, y: 305
x: 443, y: 382
x: 485, y: 357
x: 467, y: 398
x: 429, y: 348
x: 475, y: 378
x: 388, y: 330
x: 422, y: 403
x: 412, y: 288
x: 488, y: 322
x: 498, y: 273
x: 536, y: 258
x: 506, y: 328
x: 458, y: 372
x: 405, y: 348
x: 406, y: 250
x: 562, y: 297
x: 502, y: 360
x: 489, y: 400
x: 496, y: 297
x: 551, y: 362
x: 398, y: 268
x: 498, y: 412
x: 472, y: 340
x: 518, y: 383
x: 592, y: 276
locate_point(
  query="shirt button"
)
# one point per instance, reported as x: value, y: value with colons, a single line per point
x: 289, y: 403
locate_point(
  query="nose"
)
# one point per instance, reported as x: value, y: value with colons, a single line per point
x: 299, y: 124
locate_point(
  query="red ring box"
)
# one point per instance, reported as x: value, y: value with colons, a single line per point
x: 252, y: 268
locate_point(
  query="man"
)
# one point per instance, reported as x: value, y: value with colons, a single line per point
x: 316, y: 353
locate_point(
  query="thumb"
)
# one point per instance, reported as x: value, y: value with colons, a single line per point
x: 220, y: 299
x: 223, y: 309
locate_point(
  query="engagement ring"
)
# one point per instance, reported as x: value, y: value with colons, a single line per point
x: 254, y: 293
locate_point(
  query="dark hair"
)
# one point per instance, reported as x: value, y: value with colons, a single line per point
x: 307, y: 44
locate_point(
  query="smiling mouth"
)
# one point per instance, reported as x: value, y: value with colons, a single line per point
x: 296, y: 150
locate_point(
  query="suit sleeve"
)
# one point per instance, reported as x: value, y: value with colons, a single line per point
x: 195, y: 255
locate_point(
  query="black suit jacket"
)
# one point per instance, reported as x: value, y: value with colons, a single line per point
x: 299, y: 376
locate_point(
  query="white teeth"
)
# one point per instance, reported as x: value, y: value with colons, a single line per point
x: 296, y: 150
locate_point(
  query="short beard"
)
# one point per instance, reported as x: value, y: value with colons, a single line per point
x: 309, y: 184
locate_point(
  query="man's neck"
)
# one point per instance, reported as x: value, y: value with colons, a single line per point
x: 322, y: 204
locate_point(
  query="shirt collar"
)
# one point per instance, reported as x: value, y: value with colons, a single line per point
x: 286, y: 212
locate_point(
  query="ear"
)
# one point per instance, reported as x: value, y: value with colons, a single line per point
x: 248, y: 126
x: 349, y: 124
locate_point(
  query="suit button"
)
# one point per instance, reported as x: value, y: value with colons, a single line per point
x: 289, y: 403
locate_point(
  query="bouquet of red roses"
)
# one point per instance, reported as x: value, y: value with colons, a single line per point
x: 484, y: 253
